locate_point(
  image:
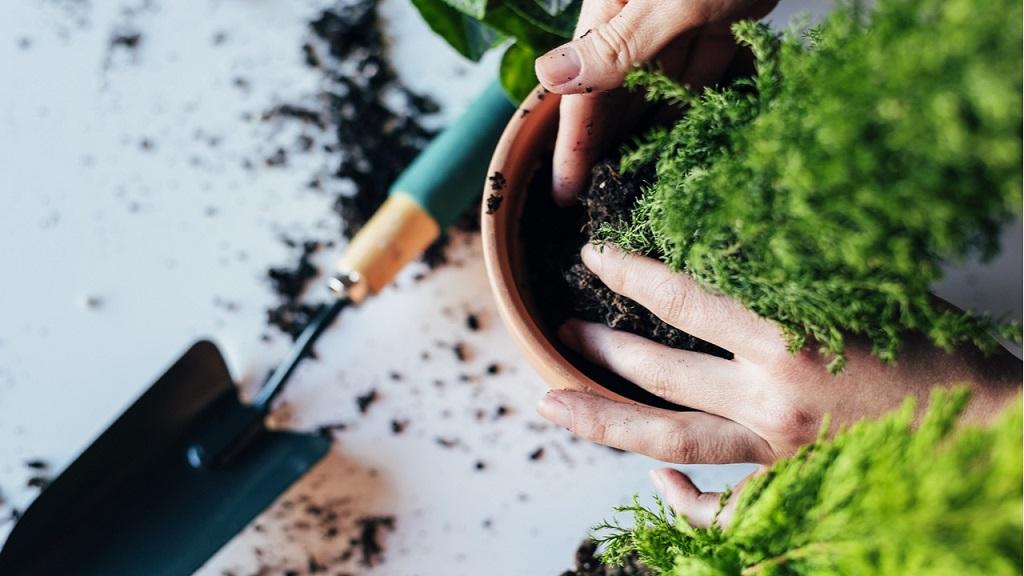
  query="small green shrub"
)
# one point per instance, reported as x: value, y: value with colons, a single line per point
x: 880, y: 498
x: 825, y: 192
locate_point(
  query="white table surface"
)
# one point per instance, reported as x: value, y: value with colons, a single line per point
x: 159, y: 239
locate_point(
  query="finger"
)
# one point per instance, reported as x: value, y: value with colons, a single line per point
x: 679, y: 437
x: 685, y: 499
x: 677, y: 299
x: 589, y: 122
x: 582, y: 129
x: 582, y: 119
x: 600, y: 58
x: 691, y: 379
x: 594, y: 13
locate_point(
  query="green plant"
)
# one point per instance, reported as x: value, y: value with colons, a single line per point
x: 825, y: 192
x: 881, y: 497
x: 527, y: 29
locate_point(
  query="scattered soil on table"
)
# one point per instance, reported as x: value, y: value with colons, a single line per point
x: 588, y: 564
x: 289, y: 283
x: 367, y: 546
x: 359, y: 538
x: 40, y: 474
x: 379, y: 127
x: 564, y: 288
x: 377, y: 139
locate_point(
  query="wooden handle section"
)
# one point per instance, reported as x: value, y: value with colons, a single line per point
x: 396, y: 234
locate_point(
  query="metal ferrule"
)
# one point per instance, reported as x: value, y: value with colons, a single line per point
x: 351, y: 285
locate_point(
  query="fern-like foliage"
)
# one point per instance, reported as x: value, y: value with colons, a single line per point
x: 880, y: 498
x: 825, y: 192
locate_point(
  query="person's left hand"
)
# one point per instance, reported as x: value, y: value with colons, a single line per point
x: 758, y: 407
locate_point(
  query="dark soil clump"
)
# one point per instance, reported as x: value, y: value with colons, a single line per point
x: 289, y: 282
x: 368, y: 543
x: 564, y: 288
x: 364, y: 401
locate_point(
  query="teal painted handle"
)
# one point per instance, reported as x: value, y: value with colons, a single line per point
x: 450, y: 172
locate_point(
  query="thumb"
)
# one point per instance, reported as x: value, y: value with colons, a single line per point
x: 600, y: 58
x: 700, y: 509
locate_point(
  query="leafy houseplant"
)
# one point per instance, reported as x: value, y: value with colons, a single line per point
x: 825, y: 192
x: 881, y: 497
x: 526, y: 28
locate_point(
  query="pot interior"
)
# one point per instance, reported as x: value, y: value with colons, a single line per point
x: 531, y: 226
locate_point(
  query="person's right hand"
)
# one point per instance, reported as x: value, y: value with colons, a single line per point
x: 690, y: 39
x: 759, y: 406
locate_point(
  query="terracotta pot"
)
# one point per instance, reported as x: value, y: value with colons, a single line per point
x: 529, y: 135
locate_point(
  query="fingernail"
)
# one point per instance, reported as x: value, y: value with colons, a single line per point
x: 558, y: 66
x: 567, y: 334
x: 553, y: 409
x: 657, y: 480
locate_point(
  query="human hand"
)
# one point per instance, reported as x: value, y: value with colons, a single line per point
x: 690, y: 39
x: 758, y: 407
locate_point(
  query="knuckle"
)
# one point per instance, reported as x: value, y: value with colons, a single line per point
x: 668, y: 300
x: 658, y: 377
x: 594, y: 430
x: 796, y: 426
x: 678, y: 445
x: 614, y: 44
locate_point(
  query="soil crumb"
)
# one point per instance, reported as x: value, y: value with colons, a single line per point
x: 364, y: 401
x: 462, y: 351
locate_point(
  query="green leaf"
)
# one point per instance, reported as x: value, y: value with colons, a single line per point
x: 474, y: 8
x: 560, y: 7
x: 516, y: 72
x: 468, y: 36
x: 538, y: 12
x: 502, y: 18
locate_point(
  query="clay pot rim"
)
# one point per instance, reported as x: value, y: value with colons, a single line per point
x: 515, y: 158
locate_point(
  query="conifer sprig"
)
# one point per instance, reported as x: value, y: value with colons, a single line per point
x: 826, y: 192
x: 880, y: 497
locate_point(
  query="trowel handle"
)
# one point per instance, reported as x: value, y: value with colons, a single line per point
x: 426, y: 198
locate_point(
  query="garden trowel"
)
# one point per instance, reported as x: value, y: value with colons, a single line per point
x: 188, y: 465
